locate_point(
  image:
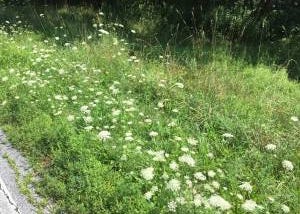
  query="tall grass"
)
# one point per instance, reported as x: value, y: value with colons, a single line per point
x: 110, y: 129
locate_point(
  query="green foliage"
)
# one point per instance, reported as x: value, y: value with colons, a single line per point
x: 58, y: 94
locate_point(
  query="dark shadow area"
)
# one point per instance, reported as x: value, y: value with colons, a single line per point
x: 184, y: 30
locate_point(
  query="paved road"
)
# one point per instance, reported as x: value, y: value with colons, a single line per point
x: 11, y: 200
x: 7, y: 205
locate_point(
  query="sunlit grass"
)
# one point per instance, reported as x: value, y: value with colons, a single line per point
x: 109, y: 132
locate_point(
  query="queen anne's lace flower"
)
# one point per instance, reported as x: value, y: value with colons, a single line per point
x: 246, y: 186
x: 200, y: 176
x: 172, y: 205
x: 219, y: 202
x: 104, y: 135
x: 294, y: 118
x: 227, y: 135
x: 148, y: 195
x: 198, y: 200
x: 173, y: 165
x: 270, y: 147
x: 287, y: 165
x: 192, y: 141
x: 250, y: 205
x: 187, y: 159
x: 285, y: 208
x: 147, y: 173
x: 173, y: 185
x: 153, y: 134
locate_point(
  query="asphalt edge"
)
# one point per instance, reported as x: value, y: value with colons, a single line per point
x: 7, y: 194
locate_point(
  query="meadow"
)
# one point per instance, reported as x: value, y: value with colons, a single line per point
x: 109, y: 129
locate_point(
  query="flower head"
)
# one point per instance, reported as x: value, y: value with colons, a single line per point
x: 227, y: 135
x: 287, y: 165
x: 153, y: 134
x: 294, y: 118
x: 219, y: 202
x: 250, y: 205
x: 148, y: 173
x: 270, y: 147
x: 104, y: 135
x: 246, y: 186
x: 285, y: 208
x: 173, y: 185
x: 187, y: 159
x: 200, y: 176
x: 172, y: 205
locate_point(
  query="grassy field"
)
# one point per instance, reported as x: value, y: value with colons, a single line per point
x: 111, y: 132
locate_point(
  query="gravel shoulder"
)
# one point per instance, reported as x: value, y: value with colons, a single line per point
x: 11, y: 199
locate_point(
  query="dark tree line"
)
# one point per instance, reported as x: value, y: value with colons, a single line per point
x: 253, y: 22
x: 239, y: 17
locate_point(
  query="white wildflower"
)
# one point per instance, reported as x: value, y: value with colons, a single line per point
x: 173, y: 185
x: 158, y: 155
x: 294, y: 118
x: 209, y: 188
x: 210, y: 155
x: 148, y: 120
x: 71, y: 118
x: 179, y: 85
x: 88, y: 128
x: 250, y: 205
x: 211, y: 173
x: 88, y: 119
x: 103, y: 31
x: 192, y: 141
x: 187, y: 159
x: 246, y: 186
x: 227, y: 135
x: 177, y: 138
x: 285, y: 208
x: 239, y: 196
x: 165, y: 176
x: 154, y: 189
x: 189, y: 183
x: 287, y: 165
x: 172, y: 205
x: 271, y: 199
x: 128, y: 136
x: 104, y: 135
x: 175, y: 110
x: 4, y: 79
x: 215, y: 184
x: 270, y: 147
x: 173, y: 165
x: 116, y: 112
x: 184, y: 149
x: 148, y: 195
x: 219, y: 202
x: 160, y: 105
x: 198, y: 200
x: 148, y: 173
x: 85, y: 109
x: 153, y: 134
x: 172, y: 124
x: 181, y: 200
x: 200, y: 176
